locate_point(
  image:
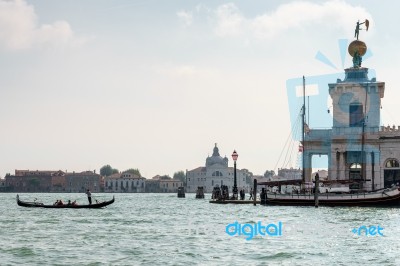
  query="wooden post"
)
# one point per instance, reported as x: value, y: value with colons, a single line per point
x: 255, y: 192
x: 316, y: 190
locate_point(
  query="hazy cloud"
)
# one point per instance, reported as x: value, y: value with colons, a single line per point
x: 229, y: 20
x: 19, y: 28
x: 185, y: 17
x: 185, y: 71
x: 334, y: 14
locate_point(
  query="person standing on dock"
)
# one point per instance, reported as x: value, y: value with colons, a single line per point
x: 251, y: 193
x: 89, y: 196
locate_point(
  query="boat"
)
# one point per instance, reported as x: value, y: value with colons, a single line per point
x: 384, y: 198
x: 36, y: 204
x: 353, y: 146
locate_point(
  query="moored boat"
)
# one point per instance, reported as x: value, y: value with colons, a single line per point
x: 384, y: 198
x: 36, y: 204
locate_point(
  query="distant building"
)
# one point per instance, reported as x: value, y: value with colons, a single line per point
x: 290, y: 173
x: 53, y: 181
x: 152, y: 186
x: 216, y: 172
x: 260, y: 178
x: 3, y: 187
x: 124, y: 182
x: 79, y: 182
x: 170, y: 185
x: 30, y: 181
x: 323, y: 174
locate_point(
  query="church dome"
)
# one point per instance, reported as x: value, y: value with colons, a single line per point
x: 216, y: 158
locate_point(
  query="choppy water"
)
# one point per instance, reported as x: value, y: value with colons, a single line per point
x: 161, y: 229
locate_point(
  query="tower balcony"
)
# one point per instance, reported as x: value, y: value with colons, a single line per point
x: 318, y: 134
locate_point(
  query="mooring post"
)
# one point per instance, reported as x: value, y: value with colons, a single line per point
x: 316, y: 190
x: 255, y: 192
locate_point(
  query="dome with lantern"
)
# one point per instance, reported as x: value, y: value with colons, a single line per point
x: 216, y: 158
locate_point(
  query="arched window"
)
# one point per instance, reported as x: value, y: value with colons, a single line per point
x: 355, y: 174
x: 217, y: 173
x: 355, y: 166
x: 392, y: 163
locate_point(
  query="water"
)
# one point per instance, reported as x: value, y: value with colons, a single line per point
x: 161, y: 229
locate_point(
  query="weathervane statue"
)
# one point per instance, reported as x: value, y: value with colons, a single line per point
x: 358, y: 48
x: 357, y: 31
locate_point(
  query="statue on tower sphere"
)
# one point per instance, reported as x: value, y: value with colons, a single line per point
x: 357, y: 31
x: 358, y: 48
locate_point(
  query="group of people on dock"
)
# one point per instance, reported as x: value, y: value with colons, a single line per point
x: 222, y: 193
x: 242, y: 194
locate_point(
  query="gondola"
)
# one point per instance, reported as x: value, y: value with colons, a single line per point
x: 96, y: 205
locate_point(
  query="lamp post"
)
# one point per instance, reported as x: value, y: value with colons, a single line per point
x: 235, y: 189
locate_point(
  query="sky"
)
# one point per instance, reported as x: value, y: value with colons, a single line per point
x: 154, y: 85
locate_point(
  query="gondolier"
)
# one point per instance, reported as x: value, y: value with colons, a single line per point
x: 89, y: 196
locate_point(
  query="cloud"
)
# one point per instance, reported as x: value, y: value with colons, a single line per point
x: 185, y: 17
x: 336, y: 14
x: 229, y: 20
x: 185, y: 71
x: 331, y: 14
x: 19, y: 28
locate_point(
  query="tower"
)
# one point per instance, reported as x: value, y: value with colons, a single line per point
x: 361, y: 153
x: 356, y: 119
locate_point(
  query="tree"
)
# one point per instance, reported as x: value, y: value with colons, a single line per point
x: 107, y: 170
x: 180, y: 175
x: 133, y: 171
x: 114, y: 171
x: 164, y: 177
x: 269, y: 173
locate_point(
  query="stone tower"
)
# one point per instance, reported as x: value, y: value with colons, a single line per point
x: 361, y: 153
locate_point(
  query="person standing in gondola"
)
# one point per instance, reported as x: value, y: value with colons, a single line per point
x: 89, y: 196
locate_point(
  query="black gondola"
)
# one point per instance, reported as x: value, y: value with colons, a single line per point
x: 96, y: 205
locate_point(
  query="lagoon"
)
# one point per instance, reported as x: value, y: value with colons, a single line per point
x: 161, y: 229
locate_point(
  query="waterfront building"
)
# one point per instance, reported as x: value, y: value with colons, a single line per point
x: 170, y: 185
x: 30, y: 181
x: 290, y: 173
x: 152, y: 186
x: 163, y: 184
x: 79, y: 182
x: 3, y: 187
x: 216, y: 172
x: 124, y: 182
x: 358, y: 148
x: 53, y: 181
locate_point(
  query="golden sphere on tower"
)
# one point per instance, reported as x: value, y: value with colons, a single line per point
x: 357, y: 46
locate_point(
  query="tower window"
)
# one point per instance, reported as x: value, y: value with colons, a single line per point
x: 356, y: 115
